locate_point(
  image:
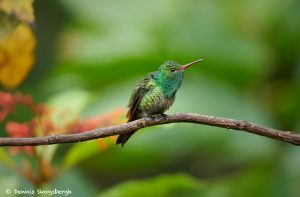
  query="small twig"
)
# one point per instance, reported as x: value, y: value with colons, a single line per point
x: 284, y: 136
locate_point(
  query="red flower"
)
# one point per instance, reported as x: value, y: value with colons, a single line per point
x: 6, y: 104
x: 17, y: 130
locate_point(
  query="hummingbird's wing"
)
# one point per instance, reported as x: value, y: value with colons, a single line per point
x: 137, y: 95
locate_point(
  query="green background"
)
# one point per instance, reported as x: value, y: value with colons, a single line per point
x: 91, y: 54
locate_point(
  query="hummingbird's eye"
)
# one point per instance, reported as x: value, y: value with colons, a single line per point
x: 172, y: 69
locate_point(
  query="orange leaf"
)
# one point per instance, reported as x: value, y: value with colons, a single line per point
x: 21, y: 9
x: 16, y: 56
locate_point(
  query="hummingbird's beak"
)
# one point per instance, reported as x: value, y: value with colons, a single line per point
x: 189, y: 64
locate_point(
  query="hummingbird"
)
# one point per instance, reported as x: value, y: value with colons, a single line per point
x: 155, y: 93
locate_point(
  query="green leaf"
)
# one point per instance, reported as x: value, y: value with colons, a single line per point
x: 68, y: 105
x: 5, y: 158
x: 80, y: 152
x: 165, y: 185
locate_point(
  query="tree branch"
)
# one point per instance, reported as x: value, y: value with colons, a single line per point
x: 284, y: 136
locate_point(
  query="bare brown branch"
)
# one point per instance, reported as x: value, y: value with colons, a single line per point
x: 284, y: 136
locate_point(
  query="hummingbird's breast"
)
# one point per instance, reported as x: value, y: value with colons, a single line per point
x: 155, y: 102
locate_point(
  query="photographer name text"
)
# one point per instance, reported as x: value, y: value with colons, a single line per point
x: 52, y: 192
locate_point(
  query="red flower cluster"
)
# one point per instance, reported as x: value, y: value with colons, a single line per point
x: 8, y: 103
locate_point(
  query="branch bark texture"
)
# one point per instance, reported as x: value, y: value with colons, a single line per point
x: 285, y: 136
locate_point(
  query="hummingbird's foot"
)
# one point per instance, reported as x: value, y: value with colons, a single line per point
x: 164, y: 116
x: 152, y: 117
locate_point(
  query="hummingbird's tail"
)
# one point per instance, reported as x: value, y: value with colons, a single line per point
x: 123, y: 138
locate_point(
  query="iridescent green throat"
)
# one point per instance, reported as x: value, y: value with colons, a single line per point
x: 169, y: 84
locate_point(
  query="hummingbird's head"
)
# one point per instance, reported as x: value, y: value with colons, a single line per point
x: 170, y: 75
x: 173, y: 69
x: 170, y: 68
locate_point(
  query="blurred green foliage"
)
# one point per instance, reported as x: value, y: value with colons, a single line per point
x: 175, y: 185
x: 91, y: 54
